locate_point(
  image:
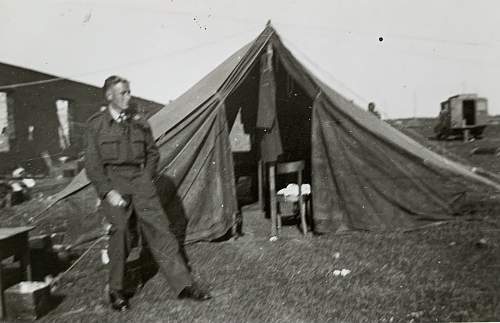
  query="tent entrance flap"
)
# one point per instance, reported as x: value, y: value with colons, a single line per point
x: 284, y: 104
x: 267, y: 121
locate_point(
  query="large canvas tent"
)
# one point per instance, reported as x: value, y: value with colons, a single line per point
x: 364, y: 173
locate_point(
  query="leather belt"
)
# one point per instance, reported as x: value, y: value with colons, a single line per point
x: 127, y: 167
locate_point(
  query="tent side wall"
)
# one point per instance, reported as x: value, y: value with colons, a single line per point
x: 369, y: 176
x: 196, y: 181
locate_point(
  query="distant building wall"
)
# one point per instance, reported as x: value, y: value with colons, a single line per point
x: 4, y: 123
x: 34, y: 107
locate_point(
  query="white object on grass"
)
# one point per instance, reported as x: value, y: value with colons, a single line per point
x: 345, y: 272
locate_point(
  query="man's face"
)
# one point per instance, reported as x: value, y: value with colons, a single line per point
x: 119, y: 96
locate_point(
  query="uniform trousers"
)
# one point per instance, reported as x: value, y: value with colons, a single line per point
x: 153, y: 225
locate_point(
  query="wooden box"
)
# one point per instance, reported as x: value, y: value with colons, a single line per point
x: 27, y: 300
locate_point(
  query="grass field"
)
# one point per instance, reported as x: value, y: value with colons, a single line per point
x: 446, y: 272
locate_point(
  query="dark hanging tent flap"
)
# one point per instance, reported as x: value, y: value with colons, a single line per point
x: 266, y: 114
x: 267, y: 121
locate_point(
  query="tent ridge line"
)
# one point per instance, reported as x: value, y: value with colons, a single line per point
x: 224, y: 90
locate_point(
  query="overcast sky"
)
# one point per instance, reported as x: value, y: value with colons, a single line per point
x: 430, y: 49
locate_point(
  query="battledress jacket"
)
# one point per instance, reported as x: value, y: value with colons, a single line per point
x: 113, y: 145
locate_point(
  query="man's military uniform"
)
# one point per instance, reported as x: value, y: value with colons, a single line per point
x: 123, y: 156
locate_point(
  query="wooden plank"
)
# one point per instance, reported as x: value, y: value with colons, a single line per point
x: 260, y: 180
x: 302, y: 207
x: 272, y: 198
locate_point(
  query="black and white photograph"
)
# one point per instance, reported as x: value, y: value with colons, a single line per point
x: 250, y: 161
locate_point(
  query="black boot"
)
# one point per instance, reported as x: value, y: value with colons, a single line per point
x: 118, y: 301
x: 195, y: 293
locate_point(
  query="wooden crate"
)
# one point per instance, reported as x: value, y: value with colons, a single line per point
x: 27, y: 300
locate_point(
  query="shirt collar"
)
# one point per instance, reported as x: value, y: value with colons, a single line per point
x: 113, y: 113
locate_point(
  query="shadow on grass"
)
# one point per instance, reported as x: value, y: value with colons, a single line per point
x: 54, y: 301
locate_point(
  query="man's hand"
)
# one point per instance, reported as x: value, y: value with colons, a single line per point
x: 115, y: 199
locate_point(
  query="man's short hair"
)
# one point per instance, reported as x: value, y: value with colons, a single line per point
x: 111, y: 81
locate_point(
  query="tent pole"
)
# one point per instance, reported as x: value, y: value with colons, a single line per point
x: 260, y: 176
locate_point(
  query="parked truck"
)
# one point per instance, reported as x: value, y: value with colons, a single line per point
x: 463, y: 115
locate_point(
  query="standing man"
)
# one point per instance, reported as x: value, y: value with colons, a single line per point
x: 372, y: 110
x: 121, y: 160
